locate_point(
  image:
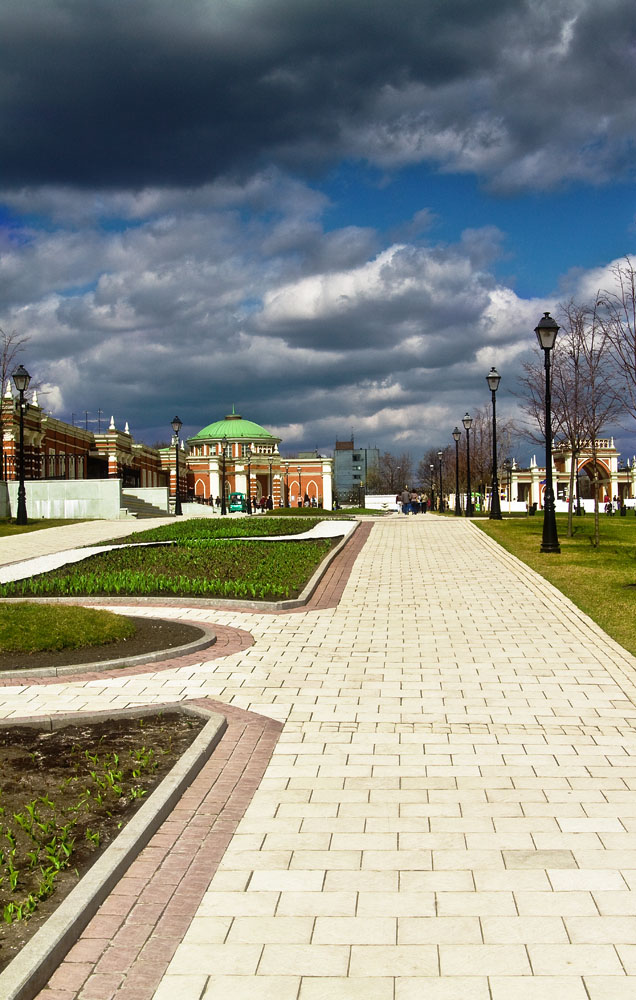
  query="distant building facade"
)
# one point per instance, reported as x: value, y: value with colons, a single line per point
x: 54, y: 449
x: 350, y: 468
x: 612, y: 480
x: 229, y: 455
x: 237, y: 455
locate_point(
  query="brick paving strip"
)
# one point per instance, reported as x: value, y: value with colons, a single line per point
x: 127, y: 946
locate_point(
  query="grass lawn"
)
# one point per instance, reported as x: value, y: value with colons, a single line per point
x: 9, y: 527
x: 601, y: 582
x: 30, y: 628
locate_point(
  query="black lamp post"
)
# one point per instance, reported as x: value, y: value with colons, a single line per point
x: 440, y: 455
x: 269, y: 490
x: 546, y: 332
x: 21, y: 378
x: 287, y: 484
x: 249, y: 479
x: 467, y: 421
x: 223, y: 505
x: 432, y: 468
x: 456, y: 436
x: 493, y: 379
x: 300, y: 489
x: 176, y: 427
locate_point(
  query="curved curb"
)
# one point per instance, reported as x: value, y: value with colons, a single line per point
x: 207, y: 640
x: 31, y: 969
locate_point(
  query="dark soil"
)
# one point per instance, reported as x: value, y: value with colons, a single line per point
x: 151, y: 634
x: 55, y: 765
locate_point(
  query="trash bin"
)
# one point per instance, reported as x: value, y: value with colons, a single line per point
x: 623, y: 510
x: 532, y: 509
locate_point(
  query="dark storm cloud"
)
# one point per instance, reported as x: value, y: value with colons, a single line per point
x: 119, y: 94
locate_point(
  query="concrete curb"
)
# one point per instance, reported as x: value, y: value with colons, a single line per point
x: 31, y: 969
x: 206, y: 640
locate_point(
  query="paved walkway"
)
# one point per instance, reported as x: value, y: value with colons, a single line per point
x: 449, y: 809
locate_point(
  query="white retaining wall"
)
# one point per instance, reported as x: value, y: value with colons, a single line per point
x: 68, y: 498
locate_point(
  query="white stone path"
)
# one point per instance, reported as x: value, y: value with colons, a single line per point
x: 451, y: 809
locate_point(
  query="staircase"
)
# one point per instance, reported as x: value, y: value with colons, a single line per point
x: 134, y: 507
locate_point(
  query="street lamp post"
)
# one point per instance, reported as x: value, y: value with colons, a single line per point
x: 432, y: 468
x: 493, y: 379
x: 456, y: 436
x: 287, y: 484
x: 176, y: 427
x: 300, y: 488
x: 440, y: 455
x: 249, y: 479
x: 269, y: 488
x: 21, y: 378
x: 224, y: 447
x: 467, y: 421
x: 546, y: 332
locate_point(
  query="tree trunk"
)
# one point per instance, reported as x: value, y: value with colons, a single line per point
x: 573, y: 466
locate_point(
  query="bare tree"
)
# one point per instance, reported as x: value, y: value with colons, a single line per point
x: 391, y: 473
x: 603, y: 402
x: 616, y: 311
x: 570, y: 388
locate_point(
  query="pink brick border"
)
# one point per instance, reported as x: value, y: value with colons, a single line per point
x: 127, y: 947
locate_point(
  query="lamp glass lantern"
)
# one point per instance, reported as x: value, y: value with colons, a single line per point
x: 546, y: 331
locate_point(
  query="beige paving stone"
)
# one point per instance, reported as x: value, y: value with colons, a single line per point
x: 341, y: 988
x: 483, y: 960
x: 355, y: 930
x: 232, y: 904
x: 616, y: 903
x: 448, y: 988
x: 310, y: 904
x: 476, y: 904
x: 627, y: 954
x: 610, y: 987
x: 250, y: 988
x: 217, y: 959
x: 304, y: 960
x: 438, y: 930
x: 186, y: 987
x: 538, y: 988
x: 577, y: 959
x: 270, y: 930
x: 371, y: 961
x: 523, y: 930
x: 591, y: 879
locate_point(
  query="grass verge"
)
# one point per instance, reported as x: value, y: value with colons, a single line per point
x: 601, y: 582
x: 31, y: 628
x: 9, y: 527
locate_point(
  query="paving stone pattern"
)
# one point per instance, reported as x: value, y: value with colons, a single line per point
x: 449, y: 811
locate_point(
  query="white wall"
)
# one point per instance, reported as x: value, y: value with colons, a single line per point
x: 69, y: 498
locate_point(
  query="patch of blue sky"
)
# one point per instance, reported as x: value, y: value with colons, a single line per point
x: 545, y: 234
x: 75, y: 291
x: 114, y: 224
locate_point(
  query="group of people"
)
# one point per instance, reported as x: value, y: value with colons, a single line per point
x: 412, y: 503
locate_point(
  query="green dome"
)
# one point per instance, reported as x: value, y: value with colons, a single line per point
x: 234, y: 427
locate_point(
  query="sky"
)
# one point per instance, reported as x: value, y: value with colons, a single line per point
x: 332, y: 216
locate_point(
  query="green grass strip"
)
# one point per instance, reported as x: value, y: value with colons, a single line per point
x: 207, y: 528
x: 601, y: 582
x: 30, y: 628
